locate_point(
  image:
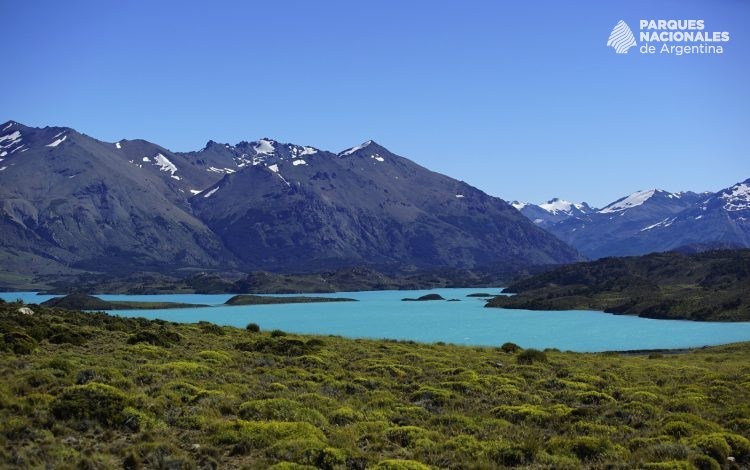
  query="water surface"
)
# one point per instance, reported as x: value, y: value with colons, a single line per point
x: 382, y: 314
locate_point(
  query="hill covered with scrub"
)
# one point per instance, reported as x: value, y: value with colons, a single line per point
x: 89, y: 390
x: 708, y: 286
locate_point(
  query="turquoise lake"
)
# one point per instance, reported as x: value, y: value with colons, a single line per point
x: 382, y: 314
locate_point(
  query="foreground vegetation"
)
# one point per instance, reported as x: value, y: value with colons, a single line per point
x: 709, y: 286
x: 88, y: 390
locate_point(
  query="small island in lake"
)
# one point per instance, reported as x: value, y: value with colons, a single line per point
x: 424, y: 298
x: 268, y: 300
x: 89, y: 302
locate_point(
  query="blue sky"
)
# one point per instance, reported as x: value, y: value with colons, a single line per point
x: 521, y: 99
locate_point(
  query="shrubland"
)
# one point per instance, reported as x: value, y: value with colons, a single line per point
x: 89, y: 390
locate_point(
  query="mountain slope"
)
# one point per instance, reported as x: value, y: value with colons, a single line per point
x: 553, y: 211
x: 615, y: 229
x: 70, y: 201
x: 723, y: 217
x: 366, y: 205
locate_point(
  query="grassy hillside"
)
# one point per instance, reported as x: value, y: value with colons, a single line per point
x: 84, y: 390
x: 709, y: 286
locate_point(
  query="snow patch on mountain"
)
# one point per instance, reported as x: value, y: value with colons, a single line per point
x: 664, y: 223
x: 166, y: 165
x: 57, y: 141
x: 117, y: 144
x: 274, y: 168
x: 13, y: 138
x: 355, y: 149
x: 226, y: 171
x: 211, y: 193
x: 264, y: 147
x: 308, y: 151
x: 518, y: 205
x: 299, y: 162
x: 737, y: 197
x: 556, y: 206
x: 634, y: 200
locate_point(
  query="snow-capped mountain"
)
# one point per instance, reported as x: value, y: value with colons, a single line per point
x: 365, y: 205
x: 70, y: 202
x: 722, y: 217
x: 640, y: 223
x: 553, y: 211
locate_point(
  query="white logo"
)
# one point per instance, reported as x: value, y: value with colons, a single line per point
x: 621, y: 38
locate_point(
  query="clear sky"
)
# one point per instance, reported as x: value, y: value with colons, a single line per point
x: 521, y: 99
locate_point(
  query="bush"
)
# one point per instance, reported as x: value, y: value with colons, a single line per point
x: 589, y: 448
x: 510, y: 348
x: 345, y: 415
x: 211, y: 328
x: 530, y: 356
x: 713, y: 445
x: 277, y: 333
x: 704, y: 462
x: 405, y: 436
x: 91, y: 401
x: 280, y: 409
x: 261, y: 434
x: 678, y: 429
x: 162, y: 337
x: 253, y: 327
x: 400, y: 465
x: 307, y: 452
x: 19, y: 343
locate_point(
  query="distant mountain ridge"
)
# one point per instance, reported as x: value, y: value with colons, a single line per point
x: 652, y: 221
x: 553, y: 211
x: 72, y: 203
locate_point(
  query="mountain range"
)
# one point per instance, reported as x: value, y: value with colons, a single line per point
x: 649, y: 221
x: 70, y: 203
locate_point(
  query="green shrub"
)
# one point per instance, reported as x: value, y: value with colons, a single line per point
x: 510, y: 348
x: 19, y: 343
x: 279, y: 346
x: 712, y: 445
x: 594, y: 398
x: 307, y: 451
x: 91, y: 401
x: 670, y: 465
x: 277, y: 333
x: 253, y: 327
x: 162, y: 338
x: 216, y: 357
x: 405, y: 436
x: 530, y: 356
x: 261, y: 434
x: 280, y: 409
x: 400, y: 465
x: 678, y: 429
x: 212, y: 329
x: 345, y: 415
x: 704, y: 462
x: 589, y: 448
x: 431, y: 397
x: 507, y: 456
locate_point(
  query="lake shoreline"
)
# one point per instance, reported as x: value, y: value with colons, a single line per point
x: 383, y: 314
